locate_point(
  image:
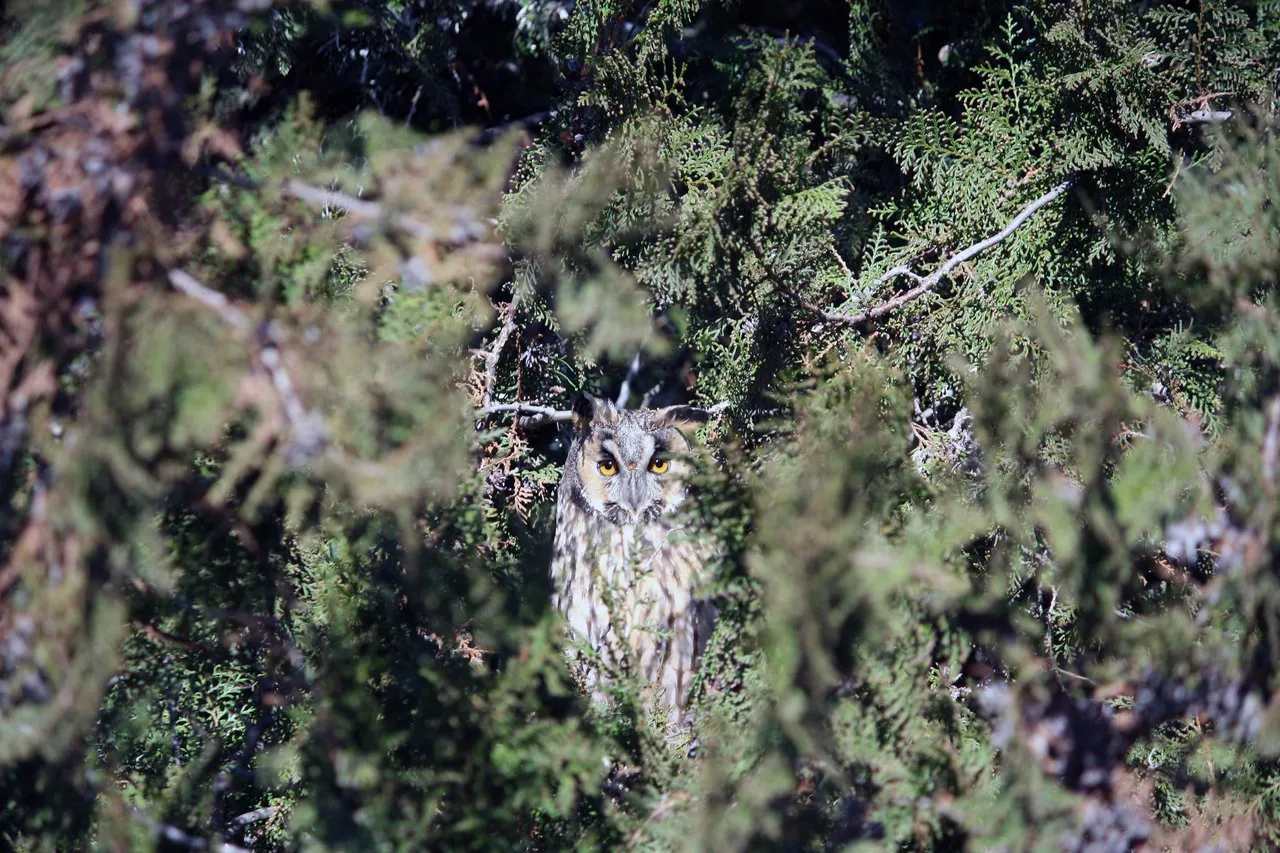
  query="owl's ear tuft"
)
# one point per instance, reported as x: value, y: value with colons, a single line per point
x: 587, y: 410
x: 682, y: 418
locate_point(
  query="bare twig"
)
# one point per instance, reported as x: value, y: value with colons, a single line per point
x: 322, y: 198
x: 360, y: 208
x: 840, y: 260
x: 931, y: 281
x: 541, y: 414
x: 230, y: 314
x: 650, y: 394
x: 785, y: 38
x: 624, y: 393
x: 1069, y: 674
x: 1271, y: 443
x: 494, y: 355
x: 904, y: 269
x: 413, y: 107
x: 1206, y: 116
x: 1177, y: 170
x: 1048, y: 630
x: 309, y: 435
x: 177, y: 836
x: 1201, y: 111
x: 254, y: 816
x: 153, y: 633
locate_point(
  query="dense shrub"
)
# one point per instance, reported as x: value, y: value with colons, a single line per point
x: 296, y: 298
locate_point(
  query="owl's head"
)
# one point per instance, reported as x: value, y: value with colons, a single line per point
x: 628, y: 465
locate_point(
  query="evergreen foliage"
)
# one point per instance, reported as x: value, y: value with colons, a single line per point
x: 296, y: 298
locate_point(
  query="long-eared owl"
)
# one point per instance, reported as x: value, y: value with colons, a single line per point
x: 625, y: 573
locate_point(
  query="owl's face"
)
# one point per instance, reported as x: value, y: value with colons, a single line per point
x: 628, y: 466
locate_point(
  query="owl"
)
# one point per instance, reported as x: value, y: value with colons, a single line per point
x: 625, y: 573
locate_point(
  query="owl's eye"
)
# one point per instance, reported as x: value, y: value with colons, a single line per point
x: 607, y: 467
x: 659, y: 465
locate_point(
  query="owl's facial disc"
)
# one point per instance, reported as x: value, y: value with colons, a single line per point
x: 630, y: 471
x: 633, y: 489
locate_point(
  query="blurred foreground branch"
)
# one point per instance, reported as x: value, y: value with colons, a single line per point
x: 309, y: 435
x: 633, y: 369
x: 174, y: 835
x: 464, y: 229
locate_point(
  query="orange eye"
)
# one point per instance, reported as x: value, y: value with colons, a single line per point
x: 607, y: 467
x: 659, y: 465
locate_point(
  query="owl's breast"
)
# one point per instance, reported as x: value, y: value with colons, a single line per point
x: 608, y: 576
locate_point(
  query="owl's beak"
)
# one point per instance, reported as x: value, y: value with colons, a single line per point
x: 633, y: 495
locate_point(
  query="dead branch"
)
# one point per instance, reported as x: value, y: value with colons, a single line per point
x: 931, y: 281
x: 539, y: 414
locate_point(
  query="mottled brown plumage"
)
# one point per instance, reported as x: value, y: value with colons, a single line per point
x: 625, y: 574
